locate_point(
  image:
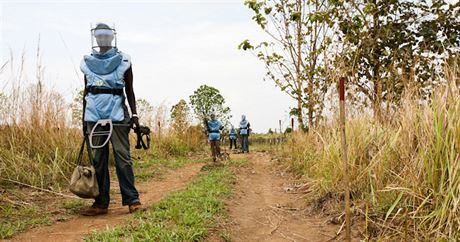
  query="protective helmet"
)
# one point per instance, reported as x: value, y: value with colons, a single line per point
x: 102, y: 35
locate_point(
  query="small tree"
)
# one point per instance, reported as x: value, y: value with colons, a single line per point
x: 295, y: 53
x: 387, y: 46
x: 146, y: 112
x: 207, y: 100
x: 77, y: 109
x: 180, y: 117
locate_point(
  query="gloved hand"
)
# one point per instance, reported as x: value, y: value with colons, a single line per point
x: 134, y: 122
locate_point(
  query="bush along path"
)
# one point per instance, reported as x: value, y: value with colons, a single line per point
x: 77, y: 228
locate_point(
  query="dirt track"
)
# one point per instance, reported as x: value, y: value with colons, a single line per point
x: 268, y: 207
x: 76, y: 229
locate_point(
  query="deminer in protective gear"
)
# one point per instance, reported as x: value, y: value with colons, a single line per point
x: 214, y: 127
x: 244, y: 134
x: 232, y: 136
x: 108, y: 82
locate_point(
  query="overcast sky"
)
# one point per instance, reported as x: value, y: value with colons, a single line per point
x: 175, y: 47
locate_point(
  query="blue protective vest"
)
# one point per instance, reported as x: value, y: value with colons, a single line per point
x: 214, y: 130
x: 244, y: 127
x: 232, y: 133
x: 105, y: 71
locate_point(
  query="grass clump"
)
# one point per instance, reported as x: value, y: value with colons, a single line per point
x: 156, y: 168
x: 183, y: 216
x: 405, y: 170
x: 74, y: 204
x: 16, y: 220
x: 238, y: 162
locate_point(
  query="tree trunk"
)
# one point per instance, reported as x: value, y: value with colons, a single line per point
x: 376, y: 71
x: 299, y: 113
x: 298, y: 67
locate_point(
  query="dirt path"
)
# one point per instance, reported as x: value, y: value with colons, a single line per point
x: 75, y: 229
x: 267, y: 208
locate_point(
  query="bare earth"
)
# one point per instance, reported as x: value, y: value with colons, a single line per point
x: 76, y: 229
x: 268, y: 207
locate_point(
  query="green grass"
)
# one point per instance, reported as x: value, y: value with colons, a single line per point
x: 182, y: 216
x: 73, y: 204
x: 156, y: 168
x: 167, y: 163
x: 238, y: 162
x: 14, y: 220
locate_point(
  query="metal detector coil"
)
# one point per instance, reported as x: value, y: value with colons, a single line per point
x: 94, y: 133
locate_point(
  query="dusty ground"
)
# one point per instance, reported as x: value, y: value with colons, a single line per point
x: 270, y: 206
x: 75, y: 229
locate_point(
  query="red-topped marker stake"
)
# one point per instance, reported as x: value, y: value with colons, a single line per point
x: 345, y: 159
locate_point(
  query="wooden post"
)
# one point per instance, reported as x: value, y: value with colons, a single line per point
x: 281, y: 132
x: 159, y: 133
x: 345, y: 160
x: 292, y: 124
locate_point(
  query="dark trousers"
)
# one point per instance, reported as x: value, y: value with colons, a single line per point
x: 215, y: 149
x: 123, y: 165
x: 244, y: 143
x: 233, y: 143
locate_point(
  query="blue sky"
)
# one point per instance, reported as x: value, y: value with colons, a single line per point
x: 175, y: 47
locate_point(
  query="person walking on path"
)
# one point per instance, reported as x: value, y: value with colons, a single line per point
x: 214, y: 127
x: 244, y: 134
x: 232, y: 135
x: 108, y: 80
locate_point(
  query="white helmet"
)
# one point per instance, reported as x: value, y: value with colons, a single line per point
x: 103, y: 36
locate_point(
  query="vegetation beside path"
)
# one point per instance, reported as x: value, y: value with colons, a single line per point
x: 186, y: 215
x: 23, y: 208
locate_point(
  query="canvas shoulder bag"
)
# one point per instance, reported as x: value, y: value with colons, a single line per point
x: 83, y: 182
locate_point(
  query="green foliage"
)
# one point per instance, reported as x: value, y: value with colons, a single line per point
x: 207, y: 100
x: 389, y: 46
x: 288, y: 130
x: 183, y: 216
x: 180, y: 117
x: 245, y: 45
x: 295, y: 52
x: 77, y: 108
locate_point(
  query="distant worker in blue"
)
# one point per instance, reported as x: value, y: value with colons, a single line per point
x: 108, y: 80
x: 233, y: 137
x: 214, y: 127
x: 244, y: 134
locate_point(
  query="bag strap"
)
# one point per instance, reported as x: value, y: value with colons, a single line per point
x: 82, y: 148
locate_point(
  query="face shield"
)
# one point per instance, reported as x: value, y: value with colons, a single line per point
x: 103, y: 36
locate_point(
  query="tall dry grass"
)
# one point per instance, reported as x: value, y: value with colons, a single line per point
x: 407, y: 171
x: 39, y: 145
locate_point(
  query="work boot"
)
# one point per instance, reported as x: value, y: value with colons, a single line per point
x: 135, y: 207
x: 93, y: 211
